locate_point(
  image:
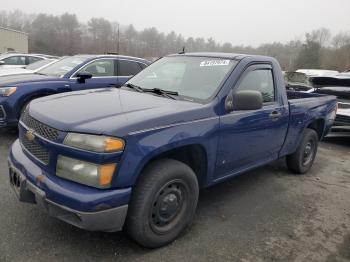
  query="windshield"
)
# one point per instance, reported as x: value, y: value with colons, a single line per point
x: 194, y: 78
x: 63, y: 66
x: 39, y: 64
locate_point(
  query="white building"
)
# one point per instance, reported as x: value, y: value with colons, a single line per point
x: 12, y: 40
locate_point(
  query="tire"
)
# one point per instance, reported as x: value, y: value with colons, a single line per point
x: 302, y: 159
x: 163, y: 203
x: 23, y: 108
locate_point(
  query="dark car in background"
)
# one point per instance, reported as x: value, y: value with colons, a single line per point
x: 298, y: 81
x: 337, y: 85
x: 78, y: 72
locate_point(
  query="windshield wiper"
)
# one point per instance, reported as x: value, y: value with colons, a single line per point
x: 162, y: 92
x: 135, y: 87
x: 158, y: 91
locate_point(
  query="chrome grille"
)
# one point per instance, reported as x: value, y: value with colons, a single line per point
x: 38, y: 127
x: 35, y: 149
x: 2, y: 112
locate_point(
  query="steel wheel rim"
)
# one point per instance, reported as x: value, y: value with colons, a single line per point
x: 308, y: 152
x: 168, y: 206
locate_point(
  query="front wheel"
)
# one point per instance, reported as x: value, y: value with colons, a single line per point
x: 23, y: 109
x: 302, y: 159
x: 163, y: 203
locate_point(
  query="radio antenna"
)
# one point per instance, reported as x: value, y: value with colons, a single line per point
x: 183, y: 50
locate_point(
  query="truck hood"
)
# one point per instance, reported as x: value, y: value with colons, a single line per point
x: 14, y: 80
x: 114, y: 112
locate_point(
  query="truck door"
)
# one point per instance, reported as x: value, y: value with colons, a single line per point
x: 103, y: 71
x: 249, y: 138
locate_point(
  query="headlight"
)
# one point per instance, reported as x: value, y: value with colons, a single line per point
x: 7, y: 91
x: 101, y: 144
x: 86, y: 173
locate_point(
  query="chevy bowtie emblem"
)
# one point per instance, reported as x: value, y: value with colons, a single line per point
x: 30, y: 135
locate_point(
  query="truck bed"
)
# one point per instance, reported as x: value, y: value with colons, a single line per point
x: 303, y: 107
x: 296, y: 95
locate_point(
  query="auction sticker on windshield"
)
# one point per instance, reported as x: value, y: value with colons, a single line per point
x: 215, y: 63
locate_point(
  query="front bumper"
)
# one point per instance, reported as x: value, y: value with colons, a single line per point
x: 81, y: 206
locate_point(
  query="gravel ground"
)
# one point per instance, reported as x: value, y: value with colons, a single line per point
x: 265, y: 215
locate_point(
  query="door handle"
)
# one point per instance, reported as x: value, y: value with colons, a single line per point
x: 275, y: 115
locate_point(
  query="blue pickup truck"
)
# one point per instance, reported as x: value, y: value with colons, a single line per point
x: 137, y: 155
x: 74, y: 73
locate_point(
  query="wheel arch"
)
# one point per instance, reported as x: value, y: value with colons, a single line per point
x: 31, y: 97
x: 318, y: 125
x: 194, y: 155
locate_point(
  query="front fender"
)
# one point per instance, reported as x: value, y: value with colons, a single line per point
x: 141, y: 147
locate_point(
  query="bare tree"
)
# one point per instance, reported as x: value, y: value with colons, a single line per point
x: 65, y: 35
x: 101, y: 31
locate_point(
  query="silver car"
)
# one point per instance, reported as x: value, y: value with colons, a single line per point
x: 29, y: 69
x: 19, y: 60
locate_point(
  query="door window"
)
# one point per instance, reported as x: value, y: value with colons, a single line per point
x: 128, y: 68
x: 260, y: 80
x: 143, y: 66
x: 33, y: 59
x: 15, y: 60
x: 99, y: 68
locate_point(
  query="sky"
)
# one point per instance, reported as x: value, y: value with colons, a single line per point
x: 240, y: 22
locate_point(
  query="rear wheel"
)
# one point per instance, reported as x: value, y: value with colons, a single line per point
x: 302, y: 159
x: 163, y: 203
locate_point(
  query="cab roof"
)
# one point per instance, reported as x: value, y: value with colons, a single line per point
x: 220, y: 55
x: 88, y: 56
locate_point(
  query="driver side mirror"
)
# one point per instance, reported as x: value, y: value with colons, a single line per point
x: 244, y: 100
x: 81, y: 77
x: 2, y: 62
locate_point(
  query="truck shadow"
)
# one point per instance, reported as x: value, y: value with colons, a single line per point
x: 9, y: 133
x: 338, y: 140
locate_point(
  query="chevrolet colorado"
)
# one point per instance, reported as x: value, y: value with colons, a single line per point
x: 138, y: 155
